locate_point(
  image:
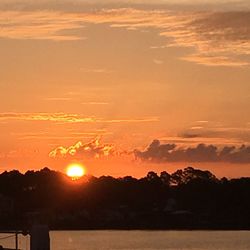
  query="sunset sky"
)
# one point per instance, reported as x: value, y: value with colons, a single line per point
x: 125, y: 87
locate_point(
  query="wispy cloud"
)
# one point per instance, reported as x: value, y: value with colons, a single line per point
x: 216, y: 38
x: 46, y: 25
x: 213, y: 60
x: 202, y: 121
x: 215, y: 133
x: 157, y: 61
x: 95, y: 103
x: 97, y: 70
x: 68, y: 118
x: 57, y: 99
x: 148, y: 119
x: 52, y: 117
x: 20, y: 153
x: 212, y: 128
x: 195, y: 139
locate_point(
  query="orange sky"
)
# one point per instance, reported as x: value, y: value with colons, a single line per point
x: 127, y: 73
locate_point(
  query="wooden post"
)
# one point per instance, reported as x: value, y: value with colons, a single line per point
x: 16, y: 240
x: 39, y: 237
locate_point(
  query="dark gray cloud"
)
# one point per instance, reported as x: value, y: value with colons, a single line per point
x: 189, y: 135
x: 157, y: 152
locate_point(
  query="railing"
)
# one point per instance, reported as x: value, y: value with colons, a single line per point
x: 15, y: 234
x: 39, y: 237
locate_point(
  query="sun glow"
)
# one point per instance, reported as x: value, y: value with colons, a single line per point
x: 75, y: 171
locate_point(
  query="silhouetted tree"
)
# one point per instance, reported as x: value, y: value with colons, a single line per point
x: 188, y: 198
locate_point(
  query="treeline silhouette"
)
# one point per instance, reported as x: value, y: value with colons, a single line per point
x: 187, y: 199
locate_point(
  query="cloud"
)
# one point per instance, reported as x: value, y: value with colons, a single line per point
x: 202, y: 121
x: 190, y: 135
x: 219, y: 38
x: 68, y: 118
x: 218, y: 133
x: 194, y: 139
x: 157, y: 61
x: 148, y: 119
x: 216, y: 38
x: 45, y: 25
x: 95, y: 103
x: 92, y: 149
x: 157, y: 152
x: 65, y: 4
x: 212, y: 60
x: 63, y: 99
x: 97, y: 70
x: 53, y: 117
x: 20, y: 153
x: 67, y: 135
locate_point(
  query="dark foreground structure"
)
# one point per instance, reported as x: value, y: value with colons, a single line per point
x: 38, y: 236
x: 186, y: 199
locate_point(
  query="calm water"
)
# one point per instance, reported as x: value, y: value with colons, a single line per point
x: 142, y: 240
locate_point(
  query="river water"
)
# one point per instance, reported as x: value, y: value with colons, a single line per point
x: 141, y: 240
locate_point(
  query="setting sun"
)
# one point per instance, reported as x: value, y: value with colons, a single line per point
x: 75, y: 171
